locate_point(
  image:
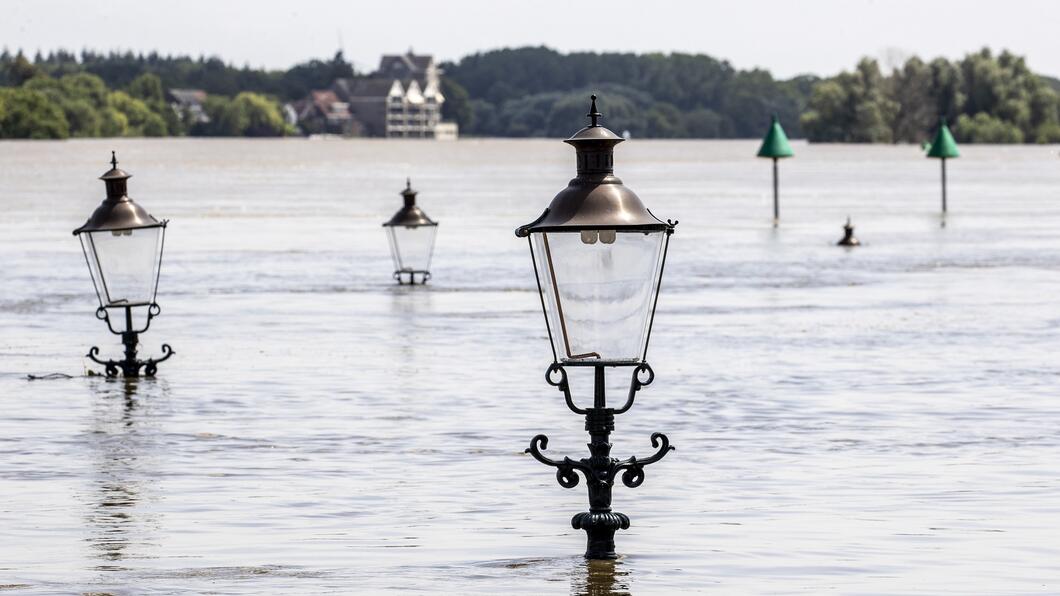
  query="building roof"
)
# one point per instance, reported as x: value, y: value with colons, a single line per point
x: 361, y: 88
x: 405, y: 64
x: 188, y: 96
x: 322, y: 102
x: 323, y: 98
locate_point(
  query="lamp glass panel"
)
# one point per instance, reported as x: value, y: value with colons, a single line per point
x: 124, y: 264
x: 411, y: 247
x: 599, y: 289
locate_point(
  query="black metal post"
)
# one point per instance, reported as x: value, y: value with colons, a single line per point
x: 943, y: 160
x: 130, y: 366
x: 600, y: 469
x: 600, y: 522
x: 776, y: 192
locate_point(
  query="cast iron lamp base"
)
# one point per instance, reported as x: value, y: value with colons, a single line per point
x: 401, y: 276
x: 130, y: 365
x: 600, y: 469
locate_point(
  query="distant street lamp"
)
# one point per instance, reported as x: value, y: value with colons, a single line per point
x: 775, y: 145
x: 123, y: 243
x: 411, y: 234
x: 598, y: 256
x: 943, y: 148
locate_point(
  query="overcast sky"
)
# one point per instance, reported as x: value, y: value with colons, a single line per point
x: 786, y: 37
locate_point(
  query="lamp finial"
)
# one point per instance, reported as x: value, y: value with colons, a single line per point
x: 593, y: 113
x: 113, y: 160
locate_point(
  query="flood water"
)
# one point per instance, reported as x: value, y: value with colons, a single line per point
x: 871, y: 421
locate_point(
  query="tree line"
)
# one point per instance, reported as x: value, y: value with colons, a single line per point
x: 59, y: 98
x: 985, y: 98
x: 537, y: 91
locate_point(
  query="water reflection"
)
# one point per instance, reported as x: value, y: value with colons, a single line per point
x: 600, y: 578
x: 122, y: 450
x: 410, y: 311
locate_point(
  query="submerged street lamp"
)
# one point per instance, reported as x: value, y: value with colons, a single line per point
x: 123, y: 243
x: 943, y: 148
x: 775, y: 145
x: 598, y: 256
x: 411, y: 234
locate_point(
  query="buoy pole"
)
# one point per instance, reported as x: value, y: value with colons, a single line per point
x: 943, y: 160
x: 776, y: 193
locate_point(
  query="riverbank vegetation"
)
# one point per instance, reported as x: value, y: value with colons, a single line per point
x: 536, y: 91
x: 60, y: 98
x: 986, y: 98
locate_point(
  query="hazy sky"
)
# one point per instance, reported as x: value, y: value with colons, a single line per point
x: 788, y: 38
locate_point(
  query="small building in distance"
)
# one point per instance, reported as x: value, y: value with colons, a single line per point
x: 188, y: 104
x: 323, y: 113
x: 402, y: 99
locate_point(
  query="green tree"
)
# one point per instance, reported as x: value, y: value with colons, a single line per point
x: 457, y: 106
x: 21, y: 70
x: 984, y: 128
x: 113, y: 123
x: 248, y: 114
x: 828, y: 118
x: 853, y: 107
x: 727, y: 102
x: 663, y: 120
x: 148, y: 89
x: 215, y: 107
x: 86, y: 86
x: 142, y: 122
x: 946, y: 85
x: 28, y: 114
x: 81, y: 115
x: 702, y: 123
x: 913, y: 90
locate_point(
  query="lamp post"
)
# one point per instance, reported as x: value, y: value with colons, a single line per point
x: 123, y: 244
x: 411, y: 234
x: 775, y: 145
x: 943, y: 148
x: 598, y: 256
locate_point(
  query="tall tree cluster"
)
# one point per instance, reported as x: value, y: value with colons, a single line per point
x: 59, y: 97
x: 985, y: 98
x: 537, y: 91
x: 211, y: 74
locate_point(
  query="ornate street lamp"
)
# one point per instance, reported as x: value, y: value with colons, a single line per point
x: 598, y: 255
x: 943, y: 148
x: 775, y: 146
x: 123, y: 243
x: 411, y: 234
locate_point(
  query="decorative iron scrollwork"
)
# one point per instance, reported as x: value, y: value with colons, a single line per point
x: 130, y: 367
x: 565, y: 474
x: 600, y: 469
x: 562, y: 385
x: 636, y: 384
x: 633, y: 468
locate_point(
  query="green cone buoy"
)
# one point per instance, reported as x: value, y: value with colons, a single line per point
x: 775, y: 146
x: 943, y: 148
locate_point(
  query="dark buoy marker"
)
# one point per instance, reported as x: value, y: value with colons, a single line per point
x: 943, y: 148
x: 848, y: 238
x: 775, y: 145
